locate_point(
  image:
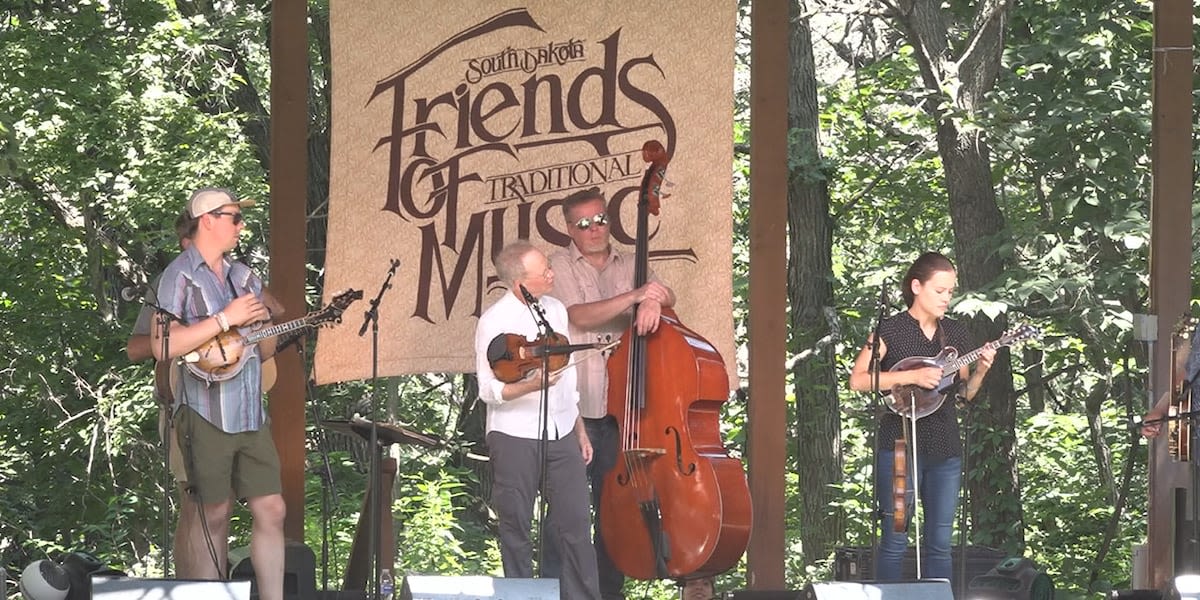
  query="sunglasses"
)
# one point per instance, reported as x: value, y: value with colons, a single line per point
x: 599, y: 220
x: 236, y: 216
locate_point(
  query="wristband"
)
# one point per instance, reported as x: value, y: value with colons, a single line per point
x: 222, y: 321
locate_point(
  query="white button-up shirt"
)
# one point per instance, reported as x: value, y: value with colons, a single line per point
x: 521, y: 416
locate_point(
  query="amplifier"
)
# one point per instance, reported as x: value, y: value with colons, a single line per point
x: 857, y: 563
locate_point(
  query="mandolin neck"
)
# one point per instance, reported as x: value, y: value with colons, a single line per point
x: 970, y: 357
x: 280, y: 329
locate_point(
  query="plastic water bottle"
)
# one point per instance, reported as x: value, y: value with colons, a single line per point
x: 387, y: 585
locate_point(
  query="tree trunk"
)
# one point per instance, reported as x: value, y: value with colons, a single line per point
x: 810, y: 294
x: 979, y: 229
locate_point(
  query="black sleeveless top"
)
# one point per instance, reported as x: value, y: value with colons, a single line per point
x: 937, y: 433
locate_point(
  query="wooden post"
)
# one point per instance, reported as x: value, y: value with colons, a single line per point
x: 767, y: 318
x: 289, y: 208
x: 1170, y: 253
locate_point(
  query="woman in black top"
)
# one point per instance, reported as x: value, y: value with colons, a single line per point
x: 922, y: 330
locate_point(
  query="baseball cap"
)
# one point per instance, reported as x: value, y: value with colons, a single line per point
x: 209, y: 199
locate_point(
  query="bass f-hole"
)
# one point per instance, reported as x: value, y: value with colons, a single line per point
x: 691, y: 468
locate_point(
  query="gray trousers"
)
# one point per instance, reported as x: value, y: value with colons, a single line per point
x: 516, y: 469
x: 606, y: 446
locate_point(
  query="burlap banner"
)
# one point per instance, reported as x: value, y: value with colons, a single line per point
x: 460, y: 126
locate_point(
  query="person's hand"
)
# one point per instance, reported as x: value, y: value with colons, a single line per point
x: 1151, y: 430
x: 533, y: 381
x: 647, y: 317
x: 585, y: 448
x: 245, y: 310
x: 653, y: 291
x: 986, y: 357
x: 928, y: 377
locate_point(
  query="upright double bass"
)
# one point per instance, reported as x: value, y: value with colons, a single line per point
x: 676, y: 504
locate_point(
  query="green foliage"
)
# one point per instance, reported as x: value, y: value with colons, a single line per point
x: 1066, y: 542
x: 433, y: 539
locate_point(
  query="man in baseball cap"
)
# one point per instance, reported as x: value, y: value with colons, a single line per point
x: 209, y: 199
x: 223, y: 432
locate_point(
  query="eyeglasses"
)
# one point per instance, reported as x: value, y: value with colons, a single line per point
x: 598, y: 219
x: 235, y: 216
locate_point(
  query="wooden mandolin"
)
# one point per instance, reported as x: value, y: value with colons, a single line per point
x: 222, y: 357
x: 904, y: 399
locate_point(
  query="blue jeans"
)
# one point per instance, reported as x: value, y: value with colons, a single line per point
x: 939, y: 482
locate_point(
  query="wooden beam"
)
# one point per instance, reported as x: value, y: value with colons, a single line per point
x: 1170, y: 252
x: 289, y: 207
x: 767, y: 317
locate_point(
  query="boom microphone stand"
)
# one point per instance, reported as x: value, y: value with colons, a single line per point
x: 965, y: 492
x: 545, y: 331
x: 371, y: 318
x: 164, y: 323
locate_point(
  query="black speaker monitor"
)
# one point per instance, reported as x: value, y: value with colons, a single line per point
x: 299, y: 571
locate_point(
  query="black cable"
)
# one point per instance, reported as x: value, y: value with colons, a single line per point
x: 189, y: 456
x: 329, y: 495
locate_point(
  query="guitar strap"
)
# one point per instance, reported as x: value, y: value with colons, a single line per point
x: 229, y: 280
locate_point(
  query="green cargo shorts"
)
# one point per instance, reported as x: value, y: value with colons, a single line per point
x: 218, y: 462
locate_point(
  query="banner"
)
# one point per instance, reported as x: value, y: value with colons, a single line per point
x: 461, y: 126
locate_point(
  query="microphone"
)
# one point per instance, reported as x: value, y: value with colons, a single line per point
x: 133, y: 292
x: 529, y: 299
x: 539, y: 314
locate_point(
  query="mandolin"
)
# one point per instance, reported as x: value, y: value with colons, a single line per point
x: 904, y: 399
x: 165, y: 379
x: 1179, y: 429
x: 222, y: 357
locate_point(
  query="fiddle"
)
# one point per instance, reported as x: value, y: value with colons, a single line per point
x: 513, y: 357
x: 899, y: 488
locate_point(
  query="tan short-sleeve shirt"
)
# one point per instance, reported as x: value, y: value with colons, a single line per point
x: 576, y: 281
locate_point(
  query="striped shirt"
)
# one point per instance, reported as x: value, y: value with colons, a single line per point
x: 191, y: 291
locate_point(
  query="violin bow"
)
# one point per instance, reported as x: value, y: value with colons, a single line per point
x: 586, y: 354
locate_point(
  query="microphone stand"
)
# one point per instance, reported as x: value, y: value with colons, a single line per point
x: 965, y: 490
x: 164, y: 323
x: 545, y: 333
x: 879, y: 414
x: 371, y: 318
x: 163, y: 320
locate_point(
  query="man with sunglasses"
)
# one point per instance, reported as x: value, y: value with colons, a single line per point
x: 223, y: 433
x: 595, y: 282
x: 138, y: 349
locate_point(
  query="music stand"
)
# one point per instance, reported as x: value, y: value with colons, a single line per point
x: 358, y: 569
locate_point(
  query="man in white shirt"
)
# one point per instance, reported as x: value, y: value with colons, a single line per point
x: 515, y: 427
